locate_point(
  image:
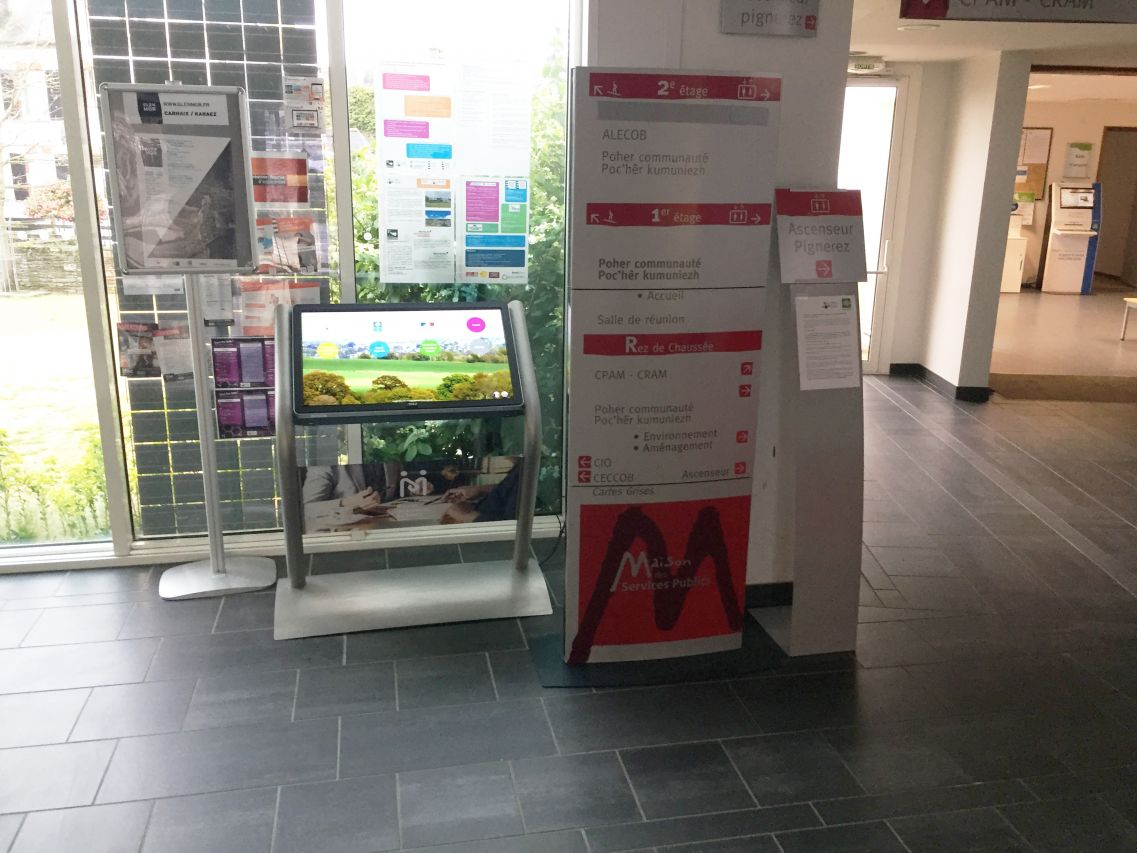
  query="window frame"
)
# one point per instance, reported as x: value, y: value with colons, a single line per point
x: 123, y: 548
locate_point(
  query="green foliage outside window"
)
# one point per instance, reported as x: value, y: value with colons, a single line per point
x: 543, y: 296
x: 52, y: 500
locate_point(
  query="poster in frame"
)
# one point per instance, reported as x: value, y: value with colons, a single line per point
x: 180, y: 181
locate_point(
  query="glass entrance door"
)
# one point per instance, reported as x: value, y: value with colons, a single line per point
x: 868, y: 161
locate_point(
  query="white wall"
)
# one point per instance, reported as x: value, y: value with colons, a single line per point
x: 931, y: 90
x: 684, y: 34
x: 991, y: 242
x: 968, y: 264
x: 1077, y: 121
x: 947, y: 283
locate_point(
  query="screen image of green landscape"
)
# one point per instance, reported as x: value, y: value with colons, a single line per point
x: 368, y: 358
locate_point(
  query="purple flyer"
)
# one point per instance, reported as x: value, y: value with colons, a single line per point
x: 255, y: 404
x: 270, y: 362
x: 481, y: 201
x: 230, y: 415
x: 226, y: 363
x: 252, y: 359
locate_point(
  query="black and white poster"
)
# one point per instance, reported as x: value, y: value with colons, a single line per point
x: 181, y: 188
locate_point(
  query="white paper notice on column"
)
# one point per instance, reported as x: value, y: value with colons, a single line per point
x: 828, y: 345
x: 670, y: 211
x: 821, y: 236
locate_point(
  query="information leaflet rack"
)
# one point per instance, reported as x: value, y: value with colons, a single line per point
x: 182, y: 204
x: 422, y: 595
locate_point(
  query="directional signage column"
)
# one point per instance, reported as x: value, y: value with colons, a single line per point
x: 672, y: 179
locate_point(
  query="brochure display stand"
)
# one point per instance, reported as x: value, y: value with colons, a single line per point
x: 182, y: 203
x: 368, y: 600
x: 221, y: 573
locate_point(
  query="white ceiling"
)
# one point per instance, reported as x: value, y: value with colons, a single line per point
x: 1082, y: 87
x: 875, y: 32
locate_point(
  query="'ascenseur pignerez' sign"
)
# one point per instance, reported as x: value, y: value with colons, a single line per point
x: 1038, y: 11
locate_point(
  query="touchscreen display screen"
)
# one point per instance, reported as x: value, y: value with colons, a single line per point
x: 420, y: 359
x: 1077, y: 198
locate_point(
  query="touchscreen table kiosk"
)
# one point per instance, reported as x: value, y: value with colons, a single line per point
x: 1072, y: 247
x: 330, y: 359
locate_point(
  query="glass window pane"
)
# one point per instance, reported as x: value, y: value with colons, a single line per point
x: 52, y: 487
x: 465, y: 42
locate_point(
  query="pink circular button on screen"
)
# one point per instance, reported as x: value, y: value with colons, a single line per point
x: 476, y: 324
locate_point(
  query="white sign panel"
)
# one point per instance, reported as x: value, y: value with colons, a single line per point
x: 176, y: 108
x: 671, y: 191
x: 1078, y: 156
x: 821, y: 235
x: 1043, y: 11
x: 770, y: 17
x: 828, y: 348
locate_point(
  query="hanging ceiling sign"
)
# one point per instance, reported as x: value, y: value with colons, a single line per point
x: 769, y: 17
x: 1022, y: 11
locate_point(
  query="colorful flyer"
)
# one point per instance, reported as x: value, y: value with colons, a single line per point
x: 245, y: 413
x: 244, y: 362
x: 287, y: 245
x: 414, y: 117
x: 303, y: 105
x: 259, y: 298
x: 416, y: 223
x: 494, y: 229
x: 280, y: 178
x: 440, y: 125
x: 137, y: 355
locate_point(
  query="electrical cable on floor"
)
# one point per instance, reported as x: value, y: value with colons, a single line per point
x: 557, y: 544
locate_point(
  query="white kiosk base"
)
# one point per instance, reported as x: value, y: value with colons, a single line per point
x: 399, y: 598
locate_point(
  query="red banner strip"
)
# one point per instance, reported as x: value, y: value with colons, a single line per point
x: 821, y: 203
x: 684, y: 87
x: 680, y: 343
x: 663, y: 215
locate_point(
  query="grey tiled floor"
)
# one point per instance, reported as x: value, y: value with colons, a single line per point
x: 992, y: 705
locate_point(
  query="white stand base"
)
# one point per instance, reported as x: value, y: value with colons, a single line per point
x: 398, y: 598
x: 198, y: 580
x: 776, y: 621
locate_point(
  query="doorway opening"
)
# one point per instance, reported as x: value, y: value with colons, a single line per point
x: 1071, y: 259
x: 868, y: 159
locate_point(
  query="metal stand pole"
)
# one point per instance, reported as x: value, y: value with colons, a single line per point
x: 527, y: 494
x: 218, y: 575
x: 291, y: 502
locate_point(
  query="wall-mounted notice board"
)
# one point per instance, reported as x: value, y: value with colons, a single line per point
x: 1034, y: 157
